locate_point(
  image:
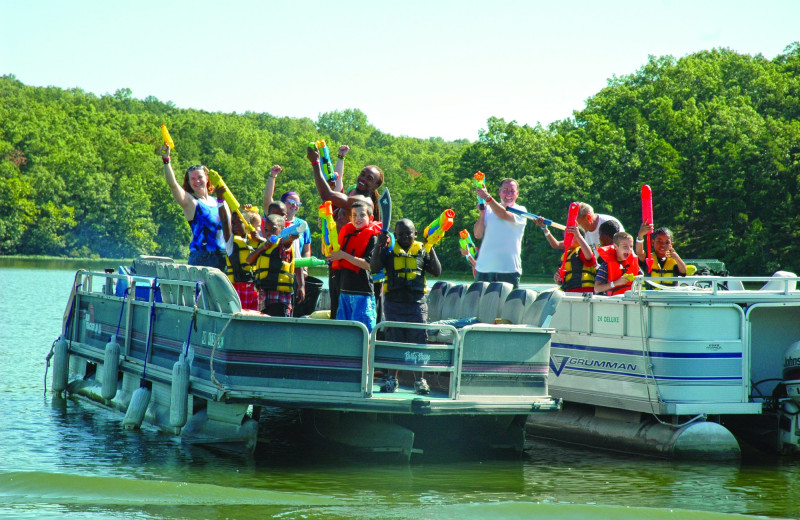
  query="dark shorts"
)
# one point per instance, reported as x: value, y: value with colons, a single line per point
x: 209, y: 259
x: 512, y: 278
x: 410, y: 313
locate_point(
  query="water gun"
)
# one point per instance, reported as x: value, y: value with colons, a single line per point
x: 167, y: 138
x: 572, y: 220
x: 233, y: 204
x: 293, y: 230
x: 480, y: 182
x: 436, y: 229
x: 325, y: 159
x: 647, y: 218
x: 330, y: 235
x: 310, y: 261
x: 465, y: 242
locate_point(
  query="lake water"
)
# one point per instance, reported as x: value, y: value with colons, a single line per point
x: 71, y: 459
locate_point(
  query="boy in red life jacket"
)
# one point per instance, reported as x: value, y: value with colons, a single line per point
x: 618, y: 266
x: 275, y: 272
x: 357, y: 239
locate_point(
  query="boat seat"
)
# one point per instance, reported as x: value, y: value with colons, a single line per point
x: 542, y: 310
x: 778, y: 285
x: 471, y: 299
x: 492, y: 301
x: 451, y: 306
x: 516, y: 304
x: 436, y: 299
x: 162, y: 271
x: 220, y: 294
x: 148, y: 265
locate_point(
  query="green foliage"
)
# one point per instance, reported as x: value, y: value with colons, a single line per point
x: 716, y: 135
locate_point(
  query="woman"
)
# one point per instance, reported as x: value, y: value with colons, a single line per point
x: 201, y: 210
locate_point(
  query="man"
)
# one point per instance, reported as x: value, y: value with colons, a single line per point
x: 499, y: 258
x: 591, y: 222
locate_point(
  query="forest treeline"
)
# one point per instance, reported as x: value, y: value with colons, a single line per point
x: 716, y: 135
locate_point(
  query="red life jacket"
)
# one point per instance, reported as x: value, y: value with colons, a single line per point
x: 616, y: 268
x: 354, y: 241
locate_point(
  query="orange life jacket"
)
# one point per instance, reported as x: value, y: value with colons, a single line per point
x: 354, y: 241
x: 616, y: 268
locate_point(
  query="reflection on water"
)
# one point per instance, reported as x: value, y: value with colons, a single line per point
x: 68, y: 457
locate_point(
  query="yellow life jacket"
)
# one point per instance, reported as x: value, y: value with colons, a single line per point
x: 575, y: 265
x: 406, y: 269
x: 238, y: 269
x: 272, y: 272
x: 669, y: 269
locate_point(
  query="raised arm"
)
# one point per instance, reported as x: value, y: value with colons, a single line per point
x: 643, y: 230
x: 497, y: 208
x: 433, y: 266
x: 269, y: 187
x: 185, y: 200
x: 555, y: 244
x: 338, y: 199
x: 339, y: 168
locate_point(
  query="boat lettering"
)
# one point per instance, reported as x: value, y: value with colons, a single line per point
x: 210, y: 338
x: 557, y: 365
x: 791, y: 362
x: 93, y: 327
x: 417, y: 358
x: 714, y: 346
x: 607, y: 319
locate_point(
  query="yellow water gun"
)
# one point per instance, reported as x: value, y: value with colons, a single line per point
x: 233, y: 204
x: 436, y: 229
x: 330, y: 236
x: 167, y: 138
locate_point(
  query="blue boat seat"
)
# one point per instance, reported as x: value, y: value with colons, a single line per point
x: 451, y: 307
x: 516, y: 304
x: 436, y: 299
x: 492, y: 301
x: 542, y: 310
x: 471, y: 299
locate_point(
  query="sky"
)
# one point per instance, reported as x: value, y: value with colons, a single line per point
x: 433, y: 68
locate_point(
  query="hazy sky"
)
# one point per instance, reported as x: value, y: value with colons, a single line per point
x: 417, y: 68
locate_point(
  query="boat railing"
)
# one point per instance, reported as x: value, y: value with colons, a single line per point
x: 780, y: 283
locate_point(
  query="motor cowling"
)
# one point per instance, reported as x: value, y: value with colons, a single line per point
x: 791, y: 371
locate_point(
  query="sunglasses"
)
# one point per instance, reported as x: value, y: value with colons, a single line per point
x: 195, y: 167
x: 294, y: 203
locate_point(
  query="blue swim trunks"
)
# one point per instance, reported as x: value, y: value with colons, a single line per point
x: 357, y: 307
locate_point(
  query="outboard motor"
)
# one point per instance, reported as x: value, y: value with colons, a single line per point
x: 790, y: 408
x: 791, y: 371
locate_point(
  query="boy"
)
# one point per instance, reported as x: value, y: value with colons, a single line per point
x: 618, y: 266
x: 274, y: 269
x: 238, y: 246
x: 405, y: 288
x: 357, y: 239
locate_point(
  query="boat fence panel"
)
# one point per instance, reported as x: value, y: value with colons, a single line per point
x: 420, y: 357
x: 273, y: 356
x: 504, y: 360
x: 772, y: 328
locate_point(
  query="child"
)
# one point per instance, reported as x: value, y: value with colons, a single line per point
x: 274, y: 270
x: 666, y: 262
x: 238, y: 247
x: 618, y: 266
x: 581, y: 266
x: 404, y: 290
x: 356, y: 241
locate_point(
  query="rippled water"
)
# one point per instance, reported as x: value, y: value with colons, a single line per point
x: 70, y: 458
